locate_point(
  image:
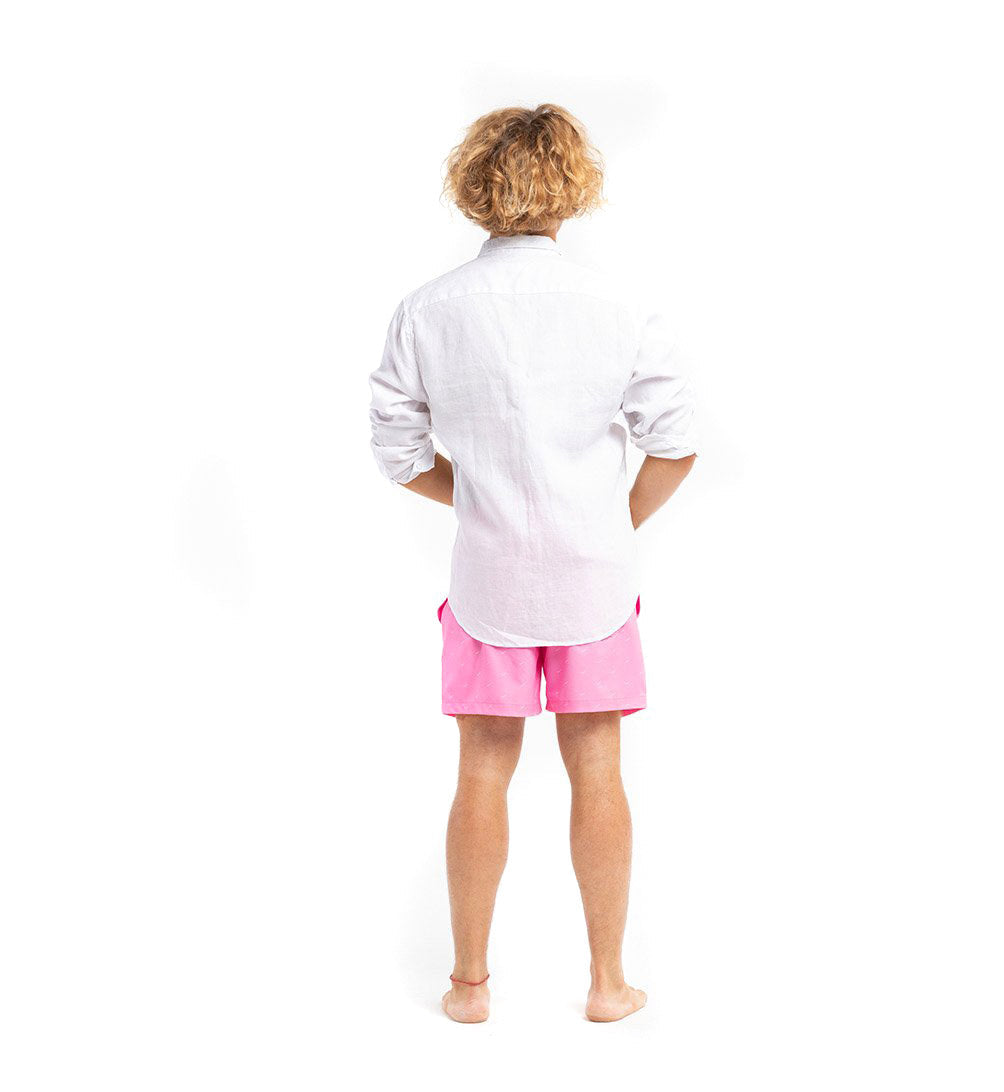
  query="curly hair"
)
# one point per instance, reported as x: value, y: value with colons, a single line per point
x: 517, y: 171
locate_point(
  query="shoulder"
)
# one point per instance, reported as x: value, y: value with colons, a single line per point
x: 456, y: 282
x: 633, y: 290
x: 558, y: 274
x: 601, y: 283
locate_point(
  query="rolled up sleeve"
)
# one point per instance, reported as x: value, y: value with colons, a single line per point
x: 659, y: 401
x: 399, y: 411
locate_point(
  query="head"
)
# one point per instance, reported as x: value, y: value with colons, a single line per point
x: 523, y: 172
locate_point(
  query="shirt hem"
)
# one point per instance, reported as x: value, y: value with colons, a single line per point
x: 490, y: 636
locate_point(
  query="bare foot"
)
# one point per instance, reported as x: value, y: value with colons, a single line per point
x: 605, y: 1006
x: 467, y: 1004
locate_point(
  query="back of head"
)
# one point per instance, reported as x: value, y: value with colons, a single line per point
x: 520, y: 171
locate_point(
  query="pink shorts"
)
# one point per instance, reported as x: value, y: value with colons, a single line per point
x: 596, y: 677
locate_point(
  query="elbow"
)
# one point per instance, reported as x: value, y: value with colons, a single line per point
x: 677, y: 466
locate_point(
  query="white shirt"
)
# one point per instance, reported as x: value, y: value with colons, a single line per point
x: 521, y: 362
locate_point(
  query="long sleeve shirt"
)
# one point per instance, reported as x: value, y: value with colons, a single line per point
x: 524, y: 364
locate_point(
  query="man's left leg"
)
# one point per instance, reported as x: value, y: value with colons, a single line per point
x: 477, y: 844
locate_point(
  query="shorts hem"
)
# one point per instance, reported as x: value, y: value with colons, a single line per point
x: 626, y: 708
x: 487, y: 709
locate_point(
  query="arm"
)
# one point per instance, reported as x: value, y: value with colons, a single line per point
x: 436, y: 484
x: 401, y: 422
x: 658, y: 479
x: 399, y: 409
x: 658, y: 405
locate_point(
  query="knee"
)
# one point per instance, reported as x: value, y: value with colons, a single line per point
x: 485, y: 778
x: 593, y: 770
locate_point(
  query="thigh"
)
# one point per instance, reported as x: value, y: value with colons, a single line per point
x: 489, y: 746
x: 589, y: 740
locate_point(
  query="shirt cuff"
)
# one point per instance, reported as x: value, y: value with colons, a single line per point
x: 663, y: 447
x: 403, y: 465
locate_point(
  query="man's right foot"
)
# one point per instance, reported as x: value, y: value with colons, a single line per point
x: 605, y: 1006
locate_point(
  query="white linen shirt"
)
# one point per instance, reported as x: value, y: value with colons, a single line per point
x: 521, y: 363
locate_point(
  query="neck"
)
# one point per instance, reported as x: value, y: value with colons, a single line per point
x: 550, y: 232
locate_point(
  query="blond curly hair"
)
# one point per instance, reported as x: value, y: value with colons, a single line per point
x: 518, y: 171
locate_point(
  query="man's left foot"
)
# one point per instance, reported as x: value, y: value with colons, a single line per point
x: 467, y: 1004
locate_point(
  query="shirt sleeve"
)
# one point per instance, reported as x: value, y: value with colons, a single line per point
x: 399, y: 409
x: 659, y: 401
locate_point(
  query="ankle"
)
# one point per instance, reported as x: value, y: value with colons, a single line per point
x: 607, y: 978
x: 468, y: 973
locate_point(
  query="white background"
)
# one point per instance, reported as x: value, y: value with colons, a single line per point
x: 225, y: 777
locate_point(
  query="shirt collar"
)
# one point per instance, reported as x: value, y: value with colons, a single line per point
x: 519, y: 242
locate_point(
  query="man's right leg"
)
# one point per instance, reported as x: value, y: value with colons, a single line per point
x: 477, y: 844
x: 601, y: 853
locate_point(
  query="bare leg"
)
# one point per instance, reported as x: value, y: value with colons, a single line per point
x: 477, y: 843
x: 601, y: 853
